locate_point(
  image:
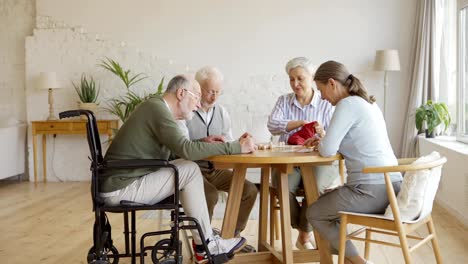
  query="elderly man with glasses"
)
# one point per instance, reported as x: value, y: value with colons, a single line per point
x: 211, y: 123
x: 152, y: 132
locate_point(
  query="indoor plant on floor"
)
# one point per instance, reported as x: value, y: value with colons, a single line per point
x: 122, y: 106
x: 430, y: 115
x: 88, y: 93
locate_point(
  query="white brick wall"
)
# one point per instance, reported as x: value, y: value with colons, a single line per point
x: 70, y: 51
x: 16, y: 22
x: 163, y: 38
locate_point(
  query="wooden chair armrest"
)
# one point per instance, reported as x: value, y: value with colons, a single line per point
x: 403, y: 168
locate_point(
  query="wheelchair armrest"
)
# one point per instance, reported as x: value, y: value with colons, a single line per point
x: 136, y: 163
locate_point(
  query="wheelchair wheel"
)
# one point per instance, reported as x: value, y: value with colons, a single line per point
x: 164, y: 253
x: 111, y: 259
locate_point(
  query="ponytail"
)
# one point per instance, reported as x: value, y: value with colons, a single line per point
x: 355, y: 87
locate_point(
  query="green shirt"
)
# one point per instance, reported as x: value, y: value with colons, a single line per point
x: 151, y: 132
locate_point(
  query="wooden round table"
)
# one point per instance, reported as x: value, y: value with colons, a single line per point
x: 284, y: 159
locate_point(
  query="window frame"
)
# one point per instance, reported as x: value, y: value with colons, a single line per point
x: 462, y: 37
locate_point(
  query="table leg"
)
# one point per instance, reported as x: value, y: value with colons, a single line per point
x: 263, y: 218
x: 34, y: 138
x: 44, y: 157
x: 312, y: 194
x: 233, y: 202
x: 283, y: 193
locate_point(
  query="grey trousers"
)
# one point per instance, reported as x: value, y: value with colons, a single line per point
x: 325, y: 176
x: 360, y: 198
x: 220, y: 180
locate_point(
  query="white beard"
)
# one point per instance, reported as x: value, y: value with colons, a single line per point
x: 188, y: 116
x: 186, y: 113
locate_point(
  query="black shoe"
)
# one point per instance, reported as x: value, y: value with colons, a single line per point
x: 248, y: 249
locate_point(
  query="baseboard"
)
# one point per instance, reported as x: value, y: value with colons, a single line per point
x: 463, y: 219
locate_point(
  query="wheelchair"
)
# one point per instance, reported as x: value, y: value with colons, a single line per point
x: 103, y: 251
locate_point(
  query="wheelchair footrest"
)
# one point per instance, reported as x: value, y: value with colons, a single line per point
x: 219, y: 259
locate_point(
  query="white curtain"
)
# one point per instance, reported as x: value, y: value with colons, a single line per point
x: 432, y: 65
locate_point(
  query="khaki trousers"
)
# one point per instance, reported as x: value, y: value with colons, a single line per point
x: 220, y: 180
x: 156, y: 186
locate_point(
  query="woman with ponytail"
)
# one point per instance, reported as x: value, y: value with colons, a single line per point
x: 358, y: 131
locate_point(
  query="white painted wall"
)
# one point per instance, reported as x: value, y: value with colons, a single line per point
x: 250, y: 41
x: 453, y: 188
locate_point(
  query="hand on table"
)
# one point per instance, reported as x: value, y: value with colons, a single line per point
x: 312, y: 142
x: 214, y: 139
x: 247, y: 143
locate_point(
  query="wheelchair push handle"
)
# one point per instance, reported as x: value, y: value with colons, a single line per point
x: 74, y: 113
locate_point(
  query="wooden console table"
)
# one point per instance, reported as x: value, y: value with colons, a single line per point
x: 72, y: 126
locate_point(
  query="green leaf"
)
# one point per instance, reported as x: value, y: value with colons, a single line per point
x: 124, y: 75
x: 87, y: 90
x: 434, y: 114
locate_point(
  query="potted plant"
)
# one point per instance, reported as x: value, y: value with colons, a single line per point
x: 124, y: 105
x: 88, y: 93
x: 430, y: 115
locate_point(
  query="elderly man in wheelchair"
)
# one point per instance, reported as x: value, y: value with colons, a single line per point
x: 135, y: 174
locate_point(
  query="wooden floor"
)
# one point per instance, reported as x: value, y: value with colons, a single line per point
x: 52, y: 223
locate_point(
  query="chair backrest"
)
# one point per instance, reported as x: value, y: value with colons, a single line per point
x: 430, y: 191
x: 94, y: 143
x: 94, y: 140
x: 419, y: 187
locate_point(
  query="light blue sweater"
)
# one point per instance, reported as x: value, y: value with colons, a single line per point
x: 357, y: 130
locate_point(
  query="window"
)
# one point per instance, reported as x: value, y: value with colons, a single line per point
x: 462, y: 71
x: 445, y: 57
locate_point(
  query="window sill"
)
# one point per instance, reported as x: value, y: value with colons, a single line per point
x: 449, y: 143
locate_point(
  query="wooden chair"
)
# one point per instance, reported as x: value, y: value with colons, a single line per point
x: 395, y: 226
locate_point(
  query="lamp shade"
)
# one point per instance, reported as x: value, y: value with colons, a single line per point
x: 387, y: 60
x: 48, y: 80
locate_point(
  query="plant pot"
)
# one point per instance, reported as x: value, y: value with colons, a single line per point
x: 431, y: 135
x: 93, y: 107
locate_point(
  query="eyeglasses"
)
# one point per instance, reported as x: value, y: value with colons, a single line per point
x: 215, y: 93
x: 196, y: 96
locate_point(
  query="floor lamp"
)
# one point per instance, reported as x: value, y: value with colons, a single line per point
x: 386, y: 60
x: 49, y: 81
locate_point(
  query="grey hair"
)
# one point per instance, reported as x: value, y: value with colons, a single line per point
x: 302, y: 62
x: 208, y: 73
x: 179, y: 81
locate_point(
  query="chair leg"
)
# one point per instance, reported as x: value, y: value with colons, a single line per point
x: 133, y: 238
x: 367, y: 243
x: 404, y: 245
x: 277, y: 223
x: 342, y: 249
x: 272, y: 220
x: 435, y: 242
x: 126, y: 234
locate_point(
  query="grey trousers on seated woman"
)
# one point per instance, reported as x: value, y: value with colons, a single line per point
x: 325, y: 177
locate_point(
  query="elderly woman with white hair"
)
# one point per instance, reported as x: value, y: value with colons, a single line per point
x: 291, y: 112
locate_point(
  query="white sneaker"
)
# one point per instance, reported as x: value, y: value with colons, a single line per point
x: 218, y: 245
x: 369, y: 262
x: 306, y: 245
